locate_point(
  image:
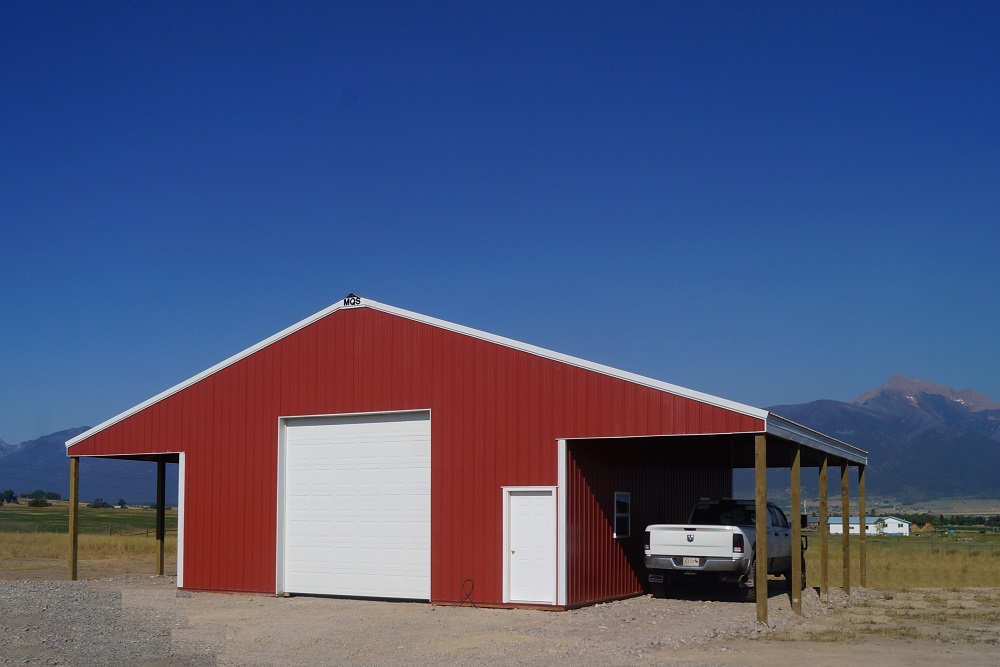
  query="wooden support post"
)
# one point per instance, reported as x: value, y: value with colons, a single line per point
x: 824, y: 530
x: 797, y: 562
x: 862, y: 549
x: 845, y: 511
x: 74, y: 506
x: 161, y: 483
x: 760, y: 484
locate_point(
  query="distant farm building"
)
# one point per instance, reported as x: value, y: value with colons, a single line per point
x: 874, y: 525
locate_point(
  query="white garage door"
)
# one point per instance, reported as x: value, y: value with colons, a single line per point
x: 357, y: 505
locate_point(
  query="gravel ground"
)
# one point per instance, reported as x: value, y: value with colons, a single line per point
x: 69, y: 623
x: 146, y: 621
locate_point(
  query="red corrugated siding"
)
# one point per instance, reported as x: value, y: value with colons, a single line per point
x: 496, y: 413
x: 601, y: 567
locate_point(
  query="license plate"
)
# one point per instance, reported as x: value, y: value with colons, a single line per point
x: 691, y: 562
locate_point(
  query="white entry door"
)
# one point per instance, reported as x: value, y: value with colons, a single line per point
x: 530, y: 545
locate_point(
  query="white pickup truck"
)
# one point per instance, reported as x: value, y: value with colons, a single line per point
x: 718, y: 544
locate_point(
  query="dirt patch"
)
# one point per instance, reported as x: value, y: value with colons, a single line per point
x: 51, y: 569
x: 911, y: 628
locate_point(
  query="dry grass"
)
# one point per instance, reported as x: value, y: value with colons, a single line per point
x: 970, y: 616
x: 854, y: 633
x: 913, y: 562
x: 33, y: 546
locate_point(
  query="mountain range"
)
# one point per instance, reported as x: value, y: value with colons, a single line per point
x: 42, y: 464
x: 924, y: 440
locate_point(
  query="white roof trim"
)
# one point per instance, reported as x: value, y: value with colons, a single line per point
x: 789, y: 430
x: 353, y: 301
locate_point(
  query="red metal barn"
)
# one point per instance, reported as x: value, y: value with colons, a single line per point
x: 375, y: 452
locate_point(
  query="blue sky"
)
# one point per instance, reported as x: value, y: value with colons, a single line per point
x: 771, y: 202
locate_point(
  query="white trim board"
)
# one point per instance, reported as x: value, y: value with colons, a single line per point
x: 562, y: 518
x: 181, y: 473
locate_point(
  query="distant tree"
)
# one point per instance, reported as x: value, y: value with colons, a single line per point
x: 39, y: 502
x: 41, y: 494
x: 98, y: 503
x: 8, y: 496
x: 121, y: 503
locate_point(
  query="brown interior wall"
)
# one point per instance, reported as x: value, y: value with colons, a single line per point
x: 664, y: 482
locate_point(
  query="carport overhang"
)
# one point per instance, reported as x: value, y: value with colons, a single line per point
x: 782, y: 444
x: 816, y: 446
x: 786, y: 444
x: 161, y: 460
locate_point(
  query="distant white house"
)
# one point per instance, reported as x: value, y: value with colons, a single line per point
x: 874, y: 525
x: 895, y: 526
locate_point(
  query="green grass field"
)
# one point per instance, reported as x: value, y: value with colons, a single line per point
x: 108, y: 521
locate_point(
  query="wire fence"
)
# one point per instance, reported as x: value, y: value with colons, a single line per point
x: 123, y: 530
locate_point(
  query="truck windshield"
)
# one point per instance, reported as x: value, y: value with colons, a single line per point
x: 722, y: 515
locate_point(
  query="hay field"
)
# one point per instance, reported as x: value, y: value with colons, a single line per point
x: 34, y: 541
x: 55, y: 546
x: 959, y: 560
x: 963, y: 559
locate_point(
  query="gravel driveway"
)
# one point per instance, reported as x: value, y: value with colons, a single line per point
x: 146, y: 621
